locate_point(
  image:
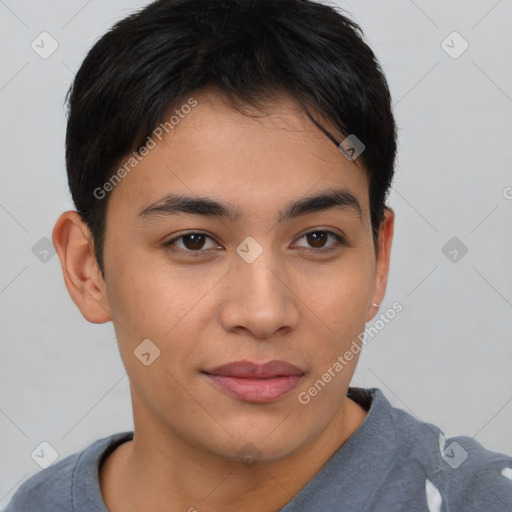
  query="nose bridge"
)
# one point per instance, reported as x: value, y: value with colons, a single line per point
x: 261, y: 301
x: 259, y: 270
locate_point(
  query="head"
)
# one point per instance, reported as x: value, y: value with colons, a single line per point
x: 216, y: 214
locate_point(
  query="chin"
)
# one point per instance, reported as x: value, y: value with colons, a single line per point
x: 252, y: 448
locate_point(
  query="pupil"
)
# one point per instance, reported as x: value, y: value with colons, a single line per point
x: 320, y: 237
x: 196, y: 239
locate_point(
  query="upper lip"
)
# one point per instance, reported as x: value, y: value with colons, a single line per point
x: 248, y: 369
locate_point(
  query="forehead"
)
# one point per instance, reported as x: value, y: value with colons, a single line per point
x: 255, y: 159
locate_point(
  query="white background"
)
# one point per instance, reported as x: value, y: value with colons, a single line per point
x: 446, y: 358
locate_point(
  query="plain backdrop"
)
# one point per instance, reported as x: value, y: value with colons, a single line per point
x: 445, y: 358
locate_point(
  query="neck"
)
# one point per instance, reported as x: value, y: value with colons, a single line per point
x: 165, y: 473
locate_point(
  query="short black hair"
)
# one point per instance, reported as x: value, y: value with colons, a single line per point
x: 147, y: 63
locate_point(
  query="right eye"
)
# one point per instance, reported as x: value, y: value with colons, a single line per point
x: 192, y: 242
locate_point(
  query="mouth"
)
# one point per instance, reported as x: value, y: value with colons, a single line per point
x: 251, y: 382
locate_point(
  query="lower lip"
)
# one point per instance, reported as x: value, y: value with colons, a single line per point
x: 256, y: 390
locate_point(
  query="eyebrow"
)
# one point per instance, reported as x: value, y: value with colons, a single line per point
x: 174, y: 204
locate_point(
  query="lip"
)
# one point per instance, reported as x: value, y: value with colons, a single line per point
x: 252, y: 382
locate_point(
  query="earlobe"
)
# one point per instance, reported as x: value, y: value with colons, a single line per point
x: 382, y: 262
x: 73, y: 243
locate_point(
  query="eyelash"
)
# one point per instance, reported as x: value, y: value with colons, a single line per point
x: 339, y: 242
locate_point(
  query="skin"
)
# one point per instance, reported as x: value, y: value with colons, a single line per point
x: 291, y: 304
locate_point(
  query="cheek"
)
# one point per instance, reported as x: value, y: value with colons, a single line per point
x: 340, y: 307
x: 340, y: 296
x: 148, y: 296
x: 164, y: 304
x: 146, y: 307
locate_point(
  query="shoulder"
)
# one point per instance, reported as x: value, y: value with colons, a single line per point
x: 51, y: 489
x: 459, y: 471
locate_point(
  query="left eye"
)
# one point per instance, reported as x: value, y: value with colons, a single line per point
x: 318, y: 238
x: 195, y: 242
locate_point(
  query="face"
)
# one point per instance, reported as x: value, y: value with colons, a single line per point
x: 251, y: 278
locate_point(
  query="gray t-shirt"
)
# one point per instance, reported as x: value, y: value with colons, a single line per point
x: 391, y: 463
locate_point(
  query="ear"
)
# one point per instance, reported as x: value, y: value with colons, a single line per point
x: 382, y: 264
x: 74, y: 245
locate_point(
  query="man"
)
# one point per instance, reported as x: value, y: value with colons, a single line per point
x: 230, y: 163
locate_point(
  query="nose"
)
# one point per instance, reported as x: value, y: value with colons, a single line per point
x: 258, y: 298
